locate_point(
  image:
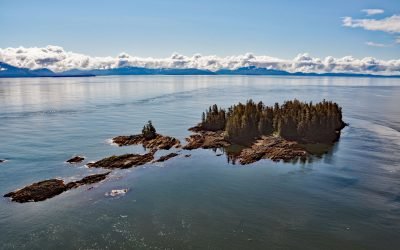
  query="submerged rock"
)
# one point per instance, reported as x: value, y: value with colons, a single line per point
x: 166, y: 157
x: 159, y: 142
x: 76, y: 159
x: 123, y: 161
x: 43, y: 190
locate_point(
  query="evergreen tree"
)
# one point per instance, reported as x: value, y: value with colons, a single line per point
x: 148, y: 131
x: 294, y: 120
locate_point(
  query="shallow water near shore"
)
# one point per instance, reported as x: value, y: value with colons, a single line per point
x: 347, y: 199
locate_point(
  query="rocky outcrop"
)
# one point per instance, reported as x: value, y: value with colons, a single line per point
x: 91, y: 179
x: 2, y: 160
x: 268, y: 147
x: 159, y: 142
x: 123, y: 161
x: 166, y: 157
x: 274, y: 148
x: 43, y: 190
x: 76, y: 159
x: 206, y: 140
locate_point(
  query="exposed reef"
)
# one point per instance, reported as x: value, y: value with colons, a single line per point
x: 76, y: 159
x: 43, y: 190
x: 158, y: 142
x: 166, y: 157
x: 123, y: 161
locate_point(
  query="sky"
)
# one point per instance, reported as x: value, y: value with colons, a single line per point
x: 160, y: 28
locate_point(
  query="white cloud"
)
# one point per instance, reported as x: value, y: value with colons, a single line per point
x: 57, y: 59
x: 389, y: 24
x: 371, y: 12
x: 373, y: 44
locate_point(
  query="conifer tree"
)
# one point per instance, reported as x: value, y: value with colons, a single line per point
x: 148, y: 131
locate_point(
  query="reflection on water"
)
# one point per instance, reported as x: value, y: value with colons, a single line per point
x: 349, y: 198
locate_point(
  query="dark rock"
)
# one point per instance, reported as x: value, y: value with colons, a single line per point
x: 159, y: 142
x: 43, y: 190
x: 1, y: 160
x: 38, y: 191
x: 76, y: 159
x: 218, y: 154
x: 166, y: 157
x: 188, y: 155
x: 91, y: 179
x: 123, y: 161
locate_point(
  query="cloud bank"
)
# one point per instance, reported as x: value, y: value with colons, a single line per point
x: 57, y: 59
x: 371, y: 12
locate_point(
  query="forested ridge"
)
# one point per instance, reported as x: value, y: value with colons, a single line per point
x: 293, y: 120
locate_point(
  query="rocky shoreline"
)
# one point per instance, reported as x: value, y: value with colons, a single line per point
x: 46, y: 189
x: 156, y: 143
x: 123, y: 161
x: 273, y: 148
x: 267, y: 147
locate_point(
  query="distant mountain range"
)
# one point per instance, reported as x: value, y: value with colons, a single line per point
x: 9, y: 71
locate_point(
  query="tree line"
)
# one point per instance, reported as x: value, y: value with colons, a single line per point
x: 293, y: 120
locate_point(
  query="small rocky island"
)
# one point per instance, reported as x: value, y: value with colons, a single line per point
x: 43, y: 190
x: 148, y: 138
x: 123, y: 161
x: 252, y: 131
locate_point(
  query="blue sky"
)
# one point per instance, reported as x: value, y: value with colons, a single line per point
x: 158, y: 28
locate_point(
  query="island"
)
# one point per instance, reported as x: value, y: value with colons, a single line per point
x: 149, y: 138
x: 252, y: 131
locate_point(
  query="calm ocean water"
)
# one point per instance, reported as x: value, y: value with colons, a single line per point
x: 349, y: 199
